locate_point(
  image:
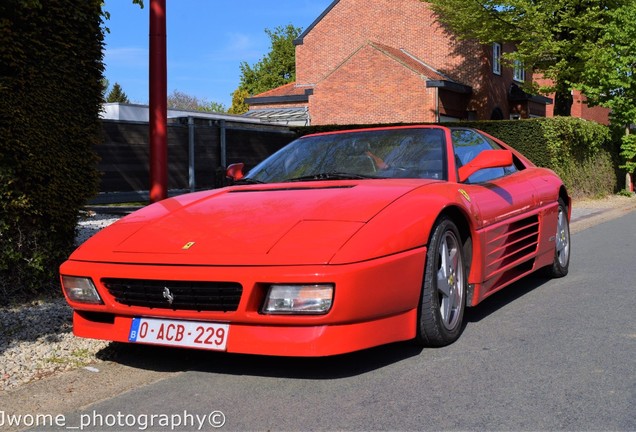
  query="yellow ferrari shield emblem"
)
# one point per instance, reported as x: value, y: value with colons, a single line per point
x: 188, y: 245
x: 465, y: 194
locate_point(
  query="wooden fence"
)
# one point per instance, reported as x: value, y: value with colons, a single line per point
x: 198, y: 152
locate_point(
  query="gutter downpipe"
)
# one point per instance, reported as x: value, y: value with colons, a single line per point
x: 436, y: 104
x: 191, y: 177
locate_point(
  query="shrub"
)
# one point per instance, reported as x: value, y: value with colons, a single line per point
x: 50, y: 97
x: 581, y: 152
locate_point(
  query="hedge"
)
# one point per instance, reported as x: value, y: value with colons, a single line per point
x: 581, y: 152
x: 50, y: 99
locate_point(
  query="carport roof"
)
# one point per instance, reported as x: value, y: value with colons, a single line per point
x: 287, y: 116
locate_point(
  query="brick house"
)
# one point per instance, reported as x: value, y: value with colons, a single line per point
x: 390, y: 61
x: 580, y: 107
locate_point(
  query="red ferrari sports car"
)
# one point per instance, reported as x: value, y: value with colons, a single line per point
x: 338, y: 242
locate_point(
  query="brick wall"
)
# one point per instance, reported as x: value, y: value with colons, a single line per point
x: 355, y: 84
x: 407, y: 24
x: 356, y: 93
x: 582, y: 110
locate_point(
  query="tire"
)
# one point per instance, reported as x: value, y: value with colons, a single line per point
x: 443, y: 298
x: 561, y: 264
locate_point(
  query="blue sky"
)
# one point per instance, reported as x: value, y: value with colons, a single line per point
x: 207, y: 40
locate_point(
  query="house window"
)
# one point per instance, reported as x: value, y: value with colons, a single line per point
x: 496, y: 58
x: 519, y: 72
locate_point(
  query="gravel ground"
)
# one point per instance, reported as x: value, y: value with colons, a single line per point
x: 36, y: 340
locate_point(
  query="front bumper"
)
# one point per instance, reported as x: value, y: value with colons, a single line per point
x: 375, y: 302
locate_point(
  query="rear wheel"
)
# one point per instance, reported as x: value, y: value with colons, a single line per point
x: 443, y: 300
x: 561, y: 263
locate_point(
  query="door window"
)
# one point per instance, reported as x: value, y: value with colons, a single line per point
x: 467, y: 144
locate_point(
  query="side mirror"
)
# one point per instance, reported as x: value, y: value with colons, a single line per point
x: 235, y: 171
x: 485, y: 159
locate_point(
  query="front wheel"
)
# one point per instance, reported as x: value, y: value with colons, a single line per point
x: 443, y: 299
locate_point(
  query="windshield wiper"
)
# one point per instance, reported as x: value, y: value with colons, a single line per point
x: 331, y: 176
x: 247, y: 180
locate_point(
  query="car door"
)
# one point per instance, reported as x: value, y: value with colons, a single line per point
x: 505, y: 201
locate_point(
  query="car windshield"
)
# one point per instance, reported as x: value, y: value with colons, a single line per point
x: 391, y: 153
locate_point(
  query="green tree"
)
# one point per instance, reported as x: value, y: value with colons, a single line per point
x: 609, y: 81
x: 277, y: 68
x: 216, y: 107
x: 184, y: 101
x: 238, y: 102
x: 117, y: 94
x: 550, y: 35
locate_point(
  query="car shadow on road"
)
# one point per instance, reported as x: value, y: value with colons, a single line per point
x: 501, y: 299
x: 166, y: 359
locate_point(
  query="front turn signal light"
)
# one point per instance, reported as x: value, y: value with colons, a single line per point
x: 299, y: 299
x: 80, y: 289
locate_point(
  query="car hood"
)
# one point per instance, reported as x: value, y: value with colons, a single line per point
x: 279, y: 224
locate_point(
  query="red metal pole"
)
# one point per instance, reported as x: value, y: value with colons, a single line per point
x: 158, y: 78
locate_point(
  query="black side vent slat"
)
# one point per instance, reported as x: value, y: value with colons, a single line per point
x: 185, y: 295
x: 513, y: 244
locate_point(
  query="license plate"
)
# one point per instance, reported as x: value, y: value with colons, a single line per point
x: 192, y: 334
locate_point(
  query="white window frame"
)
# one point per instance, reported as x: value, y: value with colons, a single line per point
x: 496, y: 58
x: 519, y: 73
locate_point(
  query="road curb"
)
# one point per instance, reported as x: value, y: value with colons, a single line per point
x: 584, y: 215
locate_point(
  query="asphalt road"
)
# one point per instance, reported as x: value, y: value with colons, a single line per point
x: 542, y: 355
